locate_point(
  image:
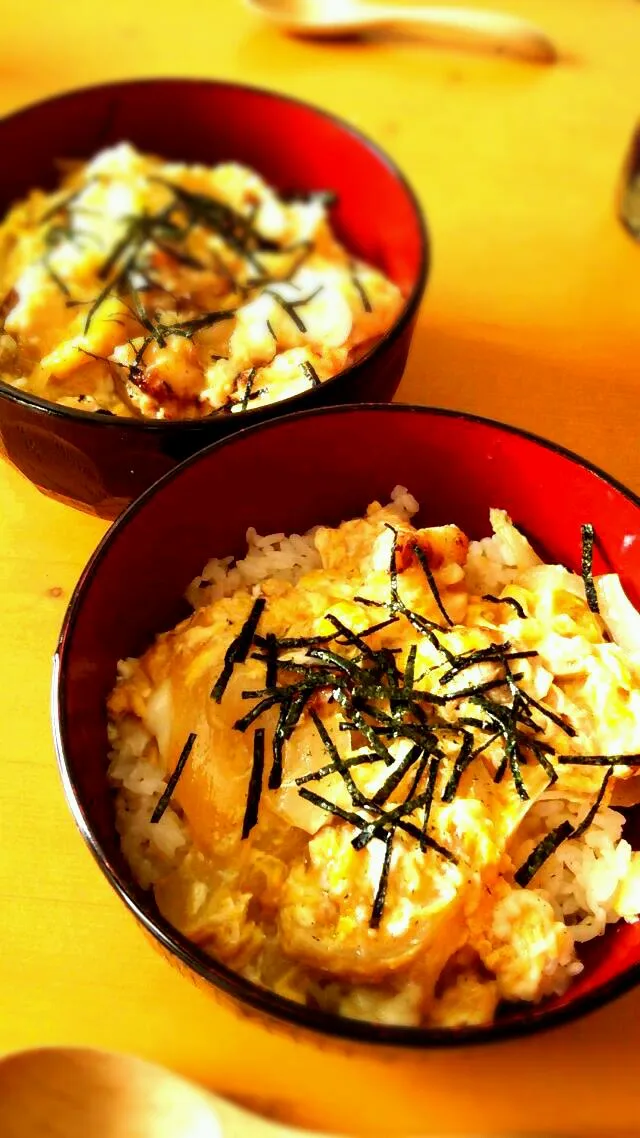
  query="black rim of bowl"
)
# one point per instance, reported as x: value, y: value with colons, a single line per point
x: 409, y: 309
x: 218, y: 975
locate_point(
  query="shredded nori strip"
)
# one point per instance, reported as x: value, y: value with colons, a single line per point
x: 288, y: 642
x: 386, y: 818
x: 464, y: 757
x: 397, y: 605
x: 501, y: 769
x: 360, y: 289
x: 426, y: 568
x: 163, y: 802
x: 557, y: 719
x: 271, y: 678
x: 410, y: 667
x: 256, y: 711
x: 514, y: 759
x: 339, y: 763
x: 248, y: 389
x: 368, y: 601
x: 329, y: 768
x: 255, y: 784
x: 395, y: 778
x: 330, y: 807
x: 365, y: 729
x: 290, y: 713
x: 434, y: 765
x: 291, y: 306
x: 354, y: 637
x: 599, y: 760
x: 540, y: 757
x: 475, y: 690
x: 417, y: 778
x: 238, y: 649
x: 507, y: 601
x: 396, y: 818
x: 494, y: 654
x: 378, y: 627
x: 588, y: 538
x: 588, y: 819
x: 542, y: 852
x: 311, y: 373
x: 381, y: 891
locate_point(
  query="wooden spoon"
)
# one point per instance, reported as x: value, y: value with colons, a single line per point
x: 64, y: 1093
x: 81, y: 1093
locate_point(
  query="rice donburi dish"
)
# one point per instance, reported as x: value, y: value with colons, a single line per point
x: 162, y: 290
x: 378, y: 770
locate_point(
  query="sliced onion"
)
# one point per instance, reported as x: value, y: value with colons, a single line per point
x: 620, y: 617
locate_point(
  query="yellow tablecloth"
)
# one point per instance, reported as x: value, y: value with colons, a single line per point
x: 532, y: 315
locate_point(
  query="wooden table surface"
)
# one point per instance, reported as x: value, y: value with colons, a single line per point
x: 532, y: 315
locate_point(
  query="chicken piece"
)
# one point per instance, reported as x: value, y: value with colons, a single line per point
x: 469, y: 1001
x: 328, y: 898
x: 361, y: 548
x: 519, y: 939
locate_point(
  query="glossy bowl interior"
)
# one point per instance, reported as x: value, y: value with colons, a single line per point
x: 289, y: 475
x: 102, y: 463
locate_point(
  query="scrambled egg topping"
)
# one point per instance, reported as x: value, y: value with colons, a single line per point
x: 157, y: 289
x: 401, y: 927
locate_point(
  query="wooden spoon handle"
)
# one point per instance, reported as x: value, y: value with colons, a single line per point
x: 469, y: 26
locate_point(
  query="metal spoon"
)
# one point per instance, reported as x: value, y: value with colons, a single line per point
x: 457, y: 27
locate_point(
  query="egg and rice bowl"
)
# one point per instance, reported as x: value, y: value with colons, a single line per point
x: 163, y: 290
x: 375, y: 770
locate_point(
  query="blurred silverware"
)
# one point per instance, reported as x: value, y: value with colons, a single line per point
x: 82, y: 1093
x: 450, y: 26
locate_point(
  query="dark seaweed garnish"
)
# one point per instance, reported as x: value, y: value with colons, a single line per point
x: 589, y: 817
x: 311, y: 373
x: 426, y: 568
x: 256, y: 711
x: 542, y: 852
x: 381, y: 891
x: 360, y: 289
x: 338, y: 762
x: 271, y: 678
x: 248, y: 388
x: 164, y: 801
x: 507, y: 601
x: 495, y: 653
x: 588, y: 538
x: 330, y: 807
x: 291, y: 306
x: 464, y: 758
x: 255, y: 784
x: 238, y: 649
x: 599, y: 760
x: 329, y: 768
x: 395, y: 778
x: 290, y: 713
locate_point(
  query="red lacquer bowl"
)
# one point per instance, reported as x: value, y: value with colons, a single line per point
x: 100, y: 463
x: 322, y: 466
